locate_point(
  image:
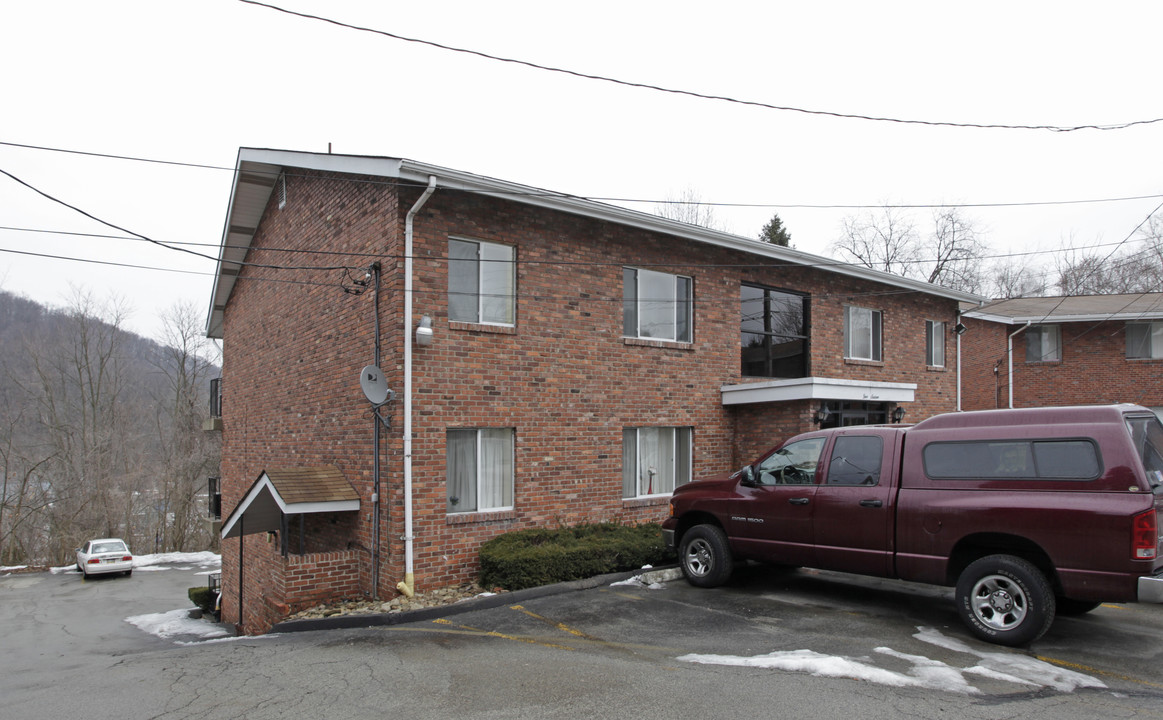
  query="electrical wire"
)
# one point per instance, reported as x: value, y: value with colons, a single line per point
x: 702, y: 96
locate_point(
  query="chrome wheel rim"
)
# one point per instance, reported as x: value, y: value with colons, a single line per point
x: 999, y: 602
x: 698, y: 558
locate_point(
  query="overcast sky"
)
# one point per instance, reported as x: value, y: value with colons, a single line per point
x: 191, y: 82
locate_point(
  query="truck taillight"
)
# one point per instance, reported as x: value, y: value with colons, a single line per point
x: 1145, y: 536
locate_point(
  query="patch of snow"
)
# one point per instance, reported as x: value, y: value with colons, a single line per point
x: 925, y: 672
x: 638, y: 581
x: 175, y: 622
x: 10, y: 568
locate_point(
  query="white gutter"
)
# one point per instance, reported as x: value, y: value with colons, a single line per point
x: 408, y: 586
x: 1010, y: 354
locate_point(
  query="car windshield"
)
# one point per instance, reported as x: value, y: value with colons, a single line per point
x: 1147, y: 435
x: 109, y: 547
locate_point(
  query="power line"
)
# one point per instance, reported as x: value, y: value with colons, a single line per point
x: 702, y: 96
x: 613, y: 199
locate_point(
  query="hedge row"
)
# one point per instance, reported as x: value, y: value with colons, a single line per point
x: 529, y: 558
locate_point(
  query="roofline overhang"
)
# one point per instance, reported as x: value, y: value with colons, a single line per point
x: 817, y: 388
x: 1052, y: 319
x: 253, y: 164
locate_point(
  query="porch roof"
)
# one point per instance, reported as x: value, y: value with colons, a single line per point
x: 290, y: 491
x: 817, y: 388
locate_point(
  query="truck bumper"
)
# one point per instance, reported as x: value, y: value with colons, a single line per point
x: 1151, y: 589
x: 668, y: 538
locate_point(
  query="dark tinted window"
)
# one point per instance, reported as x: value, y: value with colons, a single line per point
x: 1013, y: 459
x: 856, y: 460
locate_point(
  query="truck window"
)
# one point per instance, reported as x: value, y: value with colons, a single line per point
x: 1147, y: 435
x: 856, y: 460
x: 793, y: 464
x: 1075, y: 459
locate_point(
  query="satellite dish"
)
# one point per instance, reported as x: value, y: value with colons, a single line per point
x: 375, y: 387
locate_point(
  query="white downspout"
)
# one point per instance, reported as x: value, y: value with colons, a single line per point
x: 1010, y: 354
x: 958, y: 336
x: 407, y: 586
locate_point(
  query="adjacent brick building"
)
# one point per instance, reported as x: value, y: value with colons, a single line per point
x: 1081, y: 350
x: 551, y: 361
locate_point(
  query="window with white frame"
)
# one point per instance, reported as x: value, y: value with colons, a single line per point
x: 480, y: 469
x: 656, y: 305
x: 934, y: 343
x: 655, y: 460
x: 480, y: 282
x: 1145, y: 339
x: 862, y: 334
x: 1043, y: 344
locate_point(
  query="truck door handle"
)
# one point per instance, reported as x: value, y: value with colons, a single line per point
x: 871, y: 503
x: 798, y: 501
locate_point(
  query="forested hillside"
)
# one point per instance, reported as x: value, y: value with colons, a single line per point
x: 101, y: 430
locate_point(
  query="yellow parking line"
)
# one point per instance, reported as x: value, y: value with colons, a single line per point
x: 559, y: 626
x: 494, y: 633
x: 1086, y: 668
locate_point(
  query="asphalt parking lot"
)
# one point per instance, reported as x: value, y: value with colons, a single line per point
x: 811, y: 644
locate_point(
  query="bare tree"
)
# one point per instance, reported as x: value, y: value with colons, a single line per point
x: 883, y: 239
x: 687, y: 207
x: 953, y: 252
x: 188, y: 455
x: 1010, y: 279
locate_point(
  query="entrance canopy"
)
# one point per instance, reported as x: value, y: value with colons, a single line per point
x: 290, y: 491
x: 816, y: 388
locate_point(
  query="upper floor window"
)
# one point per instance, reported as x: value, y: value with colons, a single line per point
x: 934, y: 343
x: 656, y: 305
x: 773, y: 333
x: 480, y: 282
x: 862, y: 334
x: 1043, y: 344
x: 479, y: 470
x: 1145, y: 339
x: 655, y: 460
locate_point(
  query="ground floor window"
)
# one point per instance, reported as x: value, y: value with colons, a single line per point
x: 480, y: 469
x: 655, y: 460
x: 842, y: 413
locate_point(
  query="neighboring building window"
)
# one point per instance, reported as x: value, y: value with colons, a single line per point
x: 934, y: 343
x: 1013, y: 459
x: 655, y: 460
x: 1043, y: 344
x: 480, y: 470
x: 480, y: 282
x: 1145, y: 339
x: 656, y: 305
x: 862, y: 334
x: 773, y: 333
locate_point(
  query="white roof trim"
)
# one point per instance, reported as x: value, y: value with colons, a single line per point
x: 245, y: 213
x: 816, y: 388
x: 264, y: 492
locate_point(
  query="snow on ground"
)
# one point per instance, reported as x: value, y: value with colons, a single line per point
x: 176, y: 623
x: 925, y: 673
x: 160, y: 561
x: 11, y: 568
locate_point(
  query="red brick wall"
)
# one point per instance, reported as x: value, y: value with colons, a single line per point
x: 1094, y: 369
x: 564, y: 377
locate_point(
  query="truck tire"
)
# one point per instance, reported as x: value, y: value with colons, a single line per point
x: 705, y: 556
x: 1005, y: 600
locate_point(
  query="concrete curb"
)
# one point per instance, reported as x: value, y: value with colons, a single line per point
x: 362, y: 620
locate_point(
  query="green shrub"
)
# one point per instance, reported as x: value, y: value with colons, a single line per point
x: 542, y: 556
x: 203, y: 597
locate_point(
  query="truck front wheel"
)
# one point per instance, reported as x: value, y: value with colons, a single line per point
x: 706, y: 556
x: 1005, y: 600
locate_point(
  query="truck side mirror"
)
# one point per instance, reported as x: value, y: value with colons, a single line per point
x: 747, y: 476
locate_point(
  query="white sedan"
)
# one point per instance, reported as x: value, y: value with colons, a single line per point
x: 107, y: 555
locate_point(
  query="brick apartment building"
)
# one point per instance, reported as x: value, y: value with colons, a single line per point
x: 1081, y: 350
x: 551, y: 361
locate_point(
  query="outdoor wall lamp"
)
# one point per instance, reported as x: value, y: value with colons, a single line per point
x: 898, y: 413
x: 822, y: 414
x: 959, y: 329
x: 424, y: 331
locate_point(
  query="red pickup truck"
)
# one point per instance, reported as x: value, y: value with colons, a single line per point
x: 1027, y: 513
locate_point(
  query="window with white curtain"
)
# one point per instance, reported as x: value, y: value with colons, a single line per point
x: 480, y: 282
x: 656, y: 305
x: 655, y: 460
x: 480, y: 469
x: 862, y: 334
x: 1043, y: 344
x: 1145, y: 339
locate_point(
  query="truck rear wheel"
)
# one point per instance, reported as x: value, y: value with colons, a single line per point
x: 705, y: 556
x: 1005, y: 600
